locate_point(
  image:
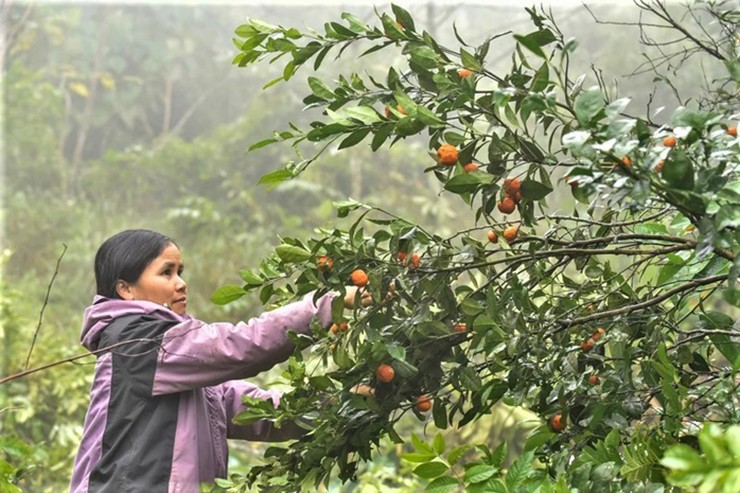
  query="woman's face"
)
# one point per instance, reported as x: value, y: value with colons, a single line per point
x: 160, y: 282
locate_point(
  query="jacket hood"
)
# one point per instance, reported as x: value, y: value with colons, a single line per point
x: 104, y: 310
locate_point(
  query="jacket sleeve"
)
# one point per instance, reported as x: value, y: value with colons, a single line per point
x: 195, y: 354
x: 259, y: 431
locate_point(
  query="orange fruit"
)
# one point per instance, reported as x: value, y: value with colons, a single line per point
x: 492, y: 236
x: 670, y: 141
x: 557, y: 423
x: 385, y: 373
x: 447, y: 155
x: 341, y: 327
x: 594, y: 380
x: 401, y: 257
x: 464, y: 73
x: 588, y: 345
x: 507, y: 206
x: 470, y: 167
x: 359, y: 278
x: 659, y: 166
x: 597, y: 335
x: 627, y: 161
x: 414, y: 261
x: 324, y: 263
x: 732, y: 131
x: 460, y: 328
x: 423, y: 403
x: 511, y: 233
x: 512, y: 187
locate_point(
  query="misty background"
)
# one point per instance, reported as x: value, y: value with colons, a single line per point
x: 119, y: 116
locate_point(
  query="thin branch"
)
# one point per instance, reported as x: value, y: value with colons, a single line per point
x: 43, y: 307
x: 25, y: 373
x: 564, y: 324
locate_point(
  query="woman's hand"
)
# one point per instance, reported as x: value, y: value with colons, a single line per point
x: 349, y: 299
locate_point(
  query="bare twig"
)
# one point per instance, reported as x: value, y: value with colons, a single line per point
x: 564, y: 324
x: 43, y: 307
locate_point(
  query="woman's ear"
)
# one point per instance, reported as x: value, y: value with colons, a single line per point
x: 124, y: 290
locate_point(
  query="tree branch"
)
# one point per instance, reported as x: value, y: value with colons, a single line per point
x: 564, y: 324
x: 43, y: 307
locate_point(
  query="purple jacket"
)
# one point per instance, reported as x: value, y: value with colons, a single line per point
x: 162, y: 401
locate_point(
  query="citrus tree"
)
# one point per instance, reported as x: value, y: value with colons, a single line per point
x: 612, y: 318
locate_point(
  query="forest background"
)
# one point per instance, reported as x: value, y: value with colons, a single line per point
x: 125, y: 116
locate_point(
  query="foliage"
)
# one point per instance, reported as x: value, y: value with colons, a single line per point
x: 717, y: 468
x: 613, y: 323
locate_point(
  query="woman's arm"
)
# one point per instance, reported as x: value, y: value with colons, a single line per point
x: 194, y: 354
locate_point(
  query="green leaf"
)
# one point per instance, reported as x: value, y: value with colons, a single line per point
x: 354, y: 138
x: 588, y: 104
x: 531, y: 44
x: 479, y: 473
x: 468, y: 182
x: 320, y: 89
x: 444, y: 484
x: 250, y: 278
x: 534, y: 190
x: 365, y: 114
x: 424, y: 57
x: 261, y: 144
x: 418, y: 457
x: 275, y: 178
x: 469, y: 61
x: 439, y: 444
x: 292, y: 254
x: 429, y: 118
x: 519, y: 470
x: 678, y: 170
x: 683, y: 458
x: 431, y: 470
x: 227, y: 294
x: 403, y: 17
x: 457, y: 453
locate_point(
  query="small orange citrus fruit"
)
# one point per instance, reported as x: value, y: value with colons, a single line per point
x: 670, y: 141
x: 597, y: 335
x: 492, y: 236
x: 511, y: 233
x: 732, y: 131
x: 359, y: 278
x: 423, y: 403
x: 447, y: 154
x: 557, y: 423
x: 594, y: 380
x: 414, y: 261
x: 464, y: 73
x: 401, y: 257
x: 460, y: 328
x: 512, y: 186
x: 507, y: 206
x: 470, y: 167
x: 324, y: 263
x: 587, y: 345
x: 385, y: 373
x: 627, y: 161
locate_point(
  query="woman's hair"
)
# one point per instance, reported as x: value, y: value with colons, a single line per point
x: 124, y: 256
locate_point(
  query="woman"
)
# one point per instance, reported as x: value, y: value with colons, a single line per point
x: 163, y: 397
